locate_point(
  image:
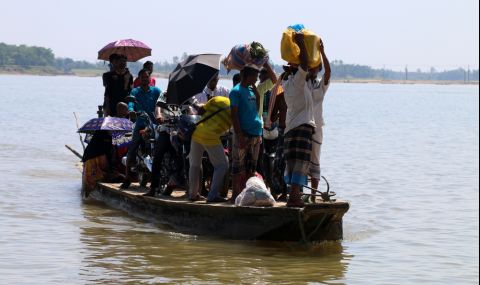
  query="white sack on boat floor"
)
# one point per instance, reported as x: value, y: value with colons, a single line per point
x: 255, y: 194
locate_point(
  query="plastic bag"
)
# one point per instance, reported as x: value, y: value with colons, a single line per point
x: 255, y: 194
x: 290, y: 51
x: 251, y: 55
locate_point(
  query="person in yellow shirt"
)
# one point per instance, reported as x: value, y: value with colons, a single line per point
x: 267, y: 78
x: 215, y: 121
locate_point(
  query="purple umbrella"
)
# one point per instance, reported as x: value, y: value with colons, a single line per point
x: 118, y: 138
x: 132, y: 49
x: 107, y: 124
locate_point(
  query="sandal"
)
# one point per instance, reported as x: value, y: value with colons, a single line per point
x: 295, y: 203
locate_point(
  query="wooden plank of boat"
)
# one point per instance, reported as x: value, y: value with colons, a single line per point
x: 315, y: 222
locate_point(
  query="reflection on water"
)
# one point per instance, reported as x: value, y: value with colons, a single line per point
x: 119, y: 248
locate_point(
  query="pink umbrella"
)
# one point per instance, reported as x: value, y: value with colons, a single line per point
x: 132, y: 49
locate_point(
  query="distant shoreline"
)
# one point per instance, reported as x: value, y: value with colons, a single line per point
x: 98, y: 73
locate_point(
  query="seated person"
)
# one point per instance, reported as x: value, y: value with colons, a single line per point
x: 97, y: 162
x: 146, y: 97
x: 122, y: 110
x: 121, y: 149
x: 164, y: 145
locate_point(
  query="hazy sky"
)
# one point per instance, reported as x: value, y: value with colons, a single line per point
x: 417, y: 33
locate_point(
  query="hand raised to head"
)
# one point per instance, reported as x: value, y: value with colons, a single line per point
x: 299, y: 38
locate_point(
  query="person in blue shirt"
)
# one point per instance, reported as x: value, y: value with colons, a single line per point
x: 146, y: 97
x: 247, y: 125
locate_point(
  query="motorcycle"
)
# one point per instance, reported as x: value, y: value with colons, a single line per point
x: 270, y: 141
x: 174, y: 166
x: 144, y: 155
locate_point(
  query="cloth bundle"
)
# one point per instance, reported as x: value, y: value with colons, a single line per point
x: 255, y: 194
x: 247, y: 55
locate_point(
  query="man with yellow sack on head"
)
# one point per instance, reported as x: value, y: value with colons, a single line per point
x: 300, y: 122
x: 290, y: 50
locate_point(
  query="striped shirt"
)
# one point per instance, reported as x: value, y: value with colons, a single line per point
x: 209, y: 132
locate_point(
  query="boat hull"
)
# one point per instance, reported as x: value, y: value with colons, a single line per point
x: 315, y: 222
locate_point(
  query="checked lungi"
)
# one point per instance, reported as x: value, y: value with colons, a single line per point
x: 317, y: 138
x: 245, y: 159
x: 298, y: 148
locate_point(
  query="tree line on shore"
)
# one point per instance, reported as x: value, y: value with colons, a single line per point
x: 24, y: 57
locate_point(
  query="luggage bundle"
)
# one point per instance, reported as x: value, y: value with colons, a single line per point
x: 251, y: 55
x: 290, y: 51
x: 255, y: 194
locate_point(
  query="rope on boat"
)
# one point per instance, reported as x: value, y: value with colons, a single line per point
x: 325, y: 197
x: 317, y: 227
x: 306, y: 239
x: 302, y: 228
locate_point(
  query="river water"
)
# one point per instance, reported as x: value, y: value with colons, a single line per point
x: 404, y: 156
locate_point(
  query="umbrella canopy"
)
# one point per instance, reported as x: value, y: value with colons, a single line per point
x: 132, y: 49
x: 191, y: 76
x: 120, y: 139
x: 107, y: 124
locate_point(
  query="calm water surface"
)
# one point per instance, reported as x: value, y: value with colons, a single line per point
x: 405, y: 156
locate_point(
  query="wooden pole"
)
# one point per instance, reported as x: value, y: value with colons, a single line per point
x: 78, y: 126
x: 73, y: 151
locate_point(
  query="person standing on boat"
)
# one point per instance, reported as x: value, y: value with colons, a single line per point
x: 277, y: 112
x: 146, y: 97
x: 148, y: 65
x: 215, y: 121
x: 118, y: 84
x: 300, y: 125
x: 267, y: 79
x: 247, y: 125
x: 319, y: 87
x: 236, y: 79
x: 211, y: 90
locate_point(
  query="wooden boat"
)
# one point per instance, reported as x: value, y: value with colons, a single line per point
x: 315, y: 222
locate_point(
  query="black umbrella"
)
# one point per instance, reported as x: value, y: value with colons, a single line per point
x: 191, y: 76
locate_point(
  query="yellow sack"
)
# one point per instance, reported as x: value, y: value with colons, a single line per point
x: 291, y: 52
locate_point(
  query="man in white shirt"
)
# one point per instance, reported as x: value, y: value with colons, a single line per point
x: 319, y: 87
x: 211, y: 90
x: 300, y: 125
